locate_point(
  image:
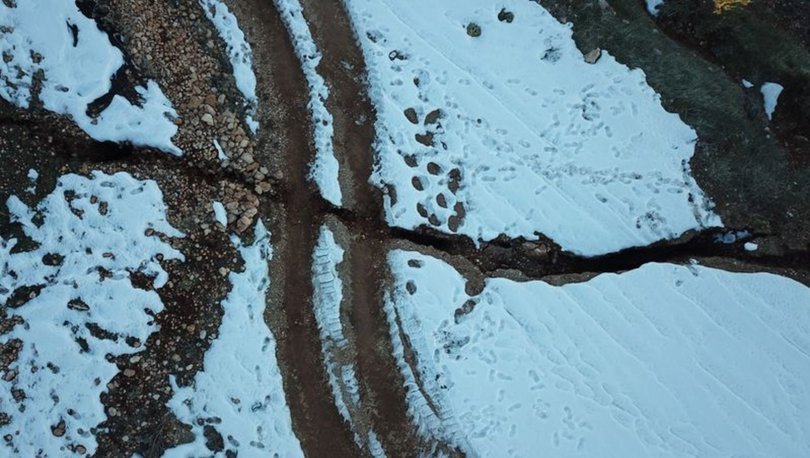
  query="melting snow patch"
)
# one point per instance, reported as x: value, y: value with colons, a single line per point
x: 750, y: 246
x: 653, y: 5
x: 770, y: 95
x: 240, y: 391
x: 663, y: 360
x: 513, y: 132
x: 78, y: 62
x: 325, y: 166
x: 220, y: 152
x: 328, y: 295
x: 33, y: 176
x: 220, y: 215
x: 91, y: 236
x: 239, y: 53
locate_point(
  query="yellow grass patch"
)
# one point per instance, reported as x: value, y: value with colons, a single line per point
x: 721, y: 6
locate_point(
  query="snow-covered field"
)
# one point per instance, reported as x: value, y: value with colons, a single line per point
x: 240, y: 391
x: 513, y: 132
x: 91, y: 236
x: 325, y: 166
x: 663, y: 360
x: 77, y: 61
x: 328, y: 296
x: 239, y: 53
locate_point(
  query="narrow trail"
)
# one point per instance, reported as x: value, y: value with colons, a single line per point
x: 343, y: 67
x: 296, y: 219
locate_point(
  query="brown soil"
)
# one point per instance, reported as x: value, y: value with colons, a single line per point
x: 316, y: 421
x: 343, y: 67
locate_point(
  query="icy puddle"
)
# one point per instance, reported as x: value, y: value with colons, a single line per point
x: 488, y: 126
x: 75, y: 304
x: 240, y: 393
x: 663, y: 360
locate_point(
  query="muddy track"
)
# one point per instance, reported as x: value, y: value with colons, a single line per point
x: 343, y: 67
x: 316, y: 421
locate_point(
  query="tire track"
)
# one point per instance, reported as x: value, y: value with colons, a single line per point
x: 295, y: 222
x: 343, y: 67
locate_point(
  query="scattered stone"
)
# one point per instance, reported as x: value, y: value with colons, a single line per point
x: 593, y: 55
x: 10, y: 375
x: 433, y: 117
x: 506, y: 16
x: 473, y: 30
x: 207, y: 119
x: 59, y: 429
x: 410, y: 113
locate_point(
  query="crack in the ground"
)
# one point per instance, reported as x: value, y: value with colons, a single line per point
x: 297, y: 211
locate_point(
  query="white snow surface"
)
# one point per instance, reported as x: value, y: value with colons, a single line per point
x: 541, y: 140
x: 325, y: 167
x: 239, y: 53
x: 653, y: 5
x: 33, y: 176
x: 220, y: 215
x: 63, y: 381
x: 240, y: 391
x: 327, y: 298
x: 76, y: 72
x: 770, y: 95
x: 220, y: 152
x: 663, y: 360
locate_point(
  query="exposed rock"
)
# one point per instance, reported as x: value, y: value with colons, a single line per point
x: 593, y: 55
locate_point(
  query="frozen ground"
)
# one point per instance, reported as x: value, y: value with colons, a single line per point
x: 325, y: 167
x: 663, y: 360
x: 239, y: 53
x: 240, y: 392
x: 513, y: 132
x: 77, y: 61
x: 91, y: 236
x: 327, y: 298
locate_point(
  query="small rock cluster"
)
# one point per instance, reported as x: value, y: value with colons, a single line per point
x: 210, y: 109
x: 241, y: 204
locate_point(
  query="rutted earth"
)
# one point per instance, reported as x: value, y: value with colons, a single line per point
x: 265, y: 176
